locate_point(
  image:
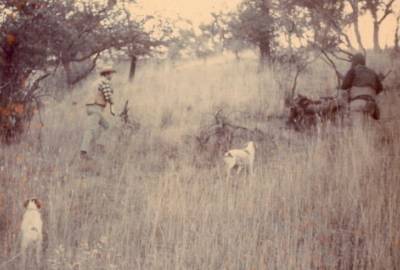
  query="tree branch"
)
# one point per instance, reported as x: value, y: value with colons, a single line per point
x: 30, y: 93
x: 86, y: 72
x: 295, y: 83
x: 339, y: 75
x: 86, y: 57
x: 349, y: 54
x: 388, y: 11
x: 347, y: 39
x: 340, y: 58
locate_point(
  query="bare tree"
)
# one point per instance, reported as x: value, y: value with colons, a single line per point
x: 379, y: 10
x: 355, y: 4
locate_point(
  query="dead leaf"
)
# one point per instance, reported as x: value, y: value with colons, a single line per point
x: 19, y: 108
x: 11, y: 39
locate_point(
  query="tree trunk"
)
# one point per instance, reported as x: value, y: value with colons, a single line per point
x: 68, y: 71
x: 396, y: 35
x: 14, y: 98
x: 237, y: 55
x: 8, y: 72
x: 354, y: 5
x: 265, y: 50
x: 377, y: 47
x: 358, y: 36
x: 265, y: 42
x: 132, y: 69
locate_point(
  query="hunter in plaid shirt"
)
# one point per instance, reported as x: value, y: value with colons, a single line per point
x: 104, y: 92
x: 95, y: 109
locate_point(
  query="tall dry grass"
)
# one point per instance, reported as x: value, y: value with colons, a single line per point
x: 323, y: 201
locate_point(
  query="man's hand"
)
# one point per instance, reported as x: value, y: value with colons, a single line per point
x: 111, y: 111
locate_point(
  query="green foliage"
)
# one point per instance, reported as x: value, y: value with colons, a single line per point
x: 185, y: 40
x: 327, y: 20
x: 253, y: 23
x: 273, y: 26
x: 256, y: 25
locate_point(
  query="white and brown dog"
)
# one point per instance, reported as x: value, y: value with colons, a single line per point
x: 31, y: 230
x: 240, y: 159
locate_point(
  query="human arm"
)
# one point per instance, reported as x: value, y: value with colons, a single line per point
x: 379, y: 87
x: 348, y: 79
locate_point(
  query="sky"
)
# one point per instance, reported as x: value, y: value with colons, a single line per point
x: 198, y: 11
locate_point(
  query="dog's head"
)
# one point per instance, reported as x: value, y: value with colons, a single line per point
x: 32, y: 204
x: 228, y: 154
x: 250, y: 146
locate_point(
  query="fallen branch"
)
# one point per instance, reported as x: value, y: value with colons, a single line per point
x: 218, y: 137
x: 126, y: 120
x: 124, y: 114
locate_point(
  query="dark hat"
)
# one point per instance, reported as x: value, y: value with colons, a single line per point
x: 358, y: 59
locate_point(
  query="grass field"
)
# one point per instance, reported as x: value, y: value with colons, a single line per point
x: 327, y: 200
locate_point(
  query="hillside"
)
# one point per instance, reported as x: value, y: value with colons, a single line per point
x: 326, y: 200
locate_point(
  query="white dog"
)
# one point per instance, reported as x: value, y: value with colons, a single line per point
x: 31, y: 230
x: 240, y: 158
